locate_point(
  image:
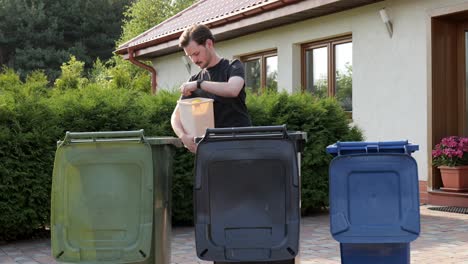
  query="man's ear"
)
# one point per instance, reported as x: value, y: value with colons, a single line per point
x: 209, y: 43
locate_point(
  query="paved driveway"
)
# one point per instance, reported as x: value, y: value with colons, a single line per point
x: 443, y: 240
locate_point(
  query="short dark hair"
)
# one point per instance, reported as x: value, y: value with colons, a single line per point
x: 198, y: 33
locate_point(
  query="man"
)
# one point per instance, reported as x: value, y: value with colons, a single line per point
x: 219, y: 79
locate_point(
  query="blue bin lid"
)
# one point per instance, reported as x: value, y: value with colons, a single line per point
x: 355, y: 147
x: 374, y: 198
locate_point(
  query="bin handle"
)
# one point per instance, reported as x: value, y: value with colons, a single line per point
x: 95, y: 136
x: 340, y: 147
x: 368, y: 147
x: 245, y: 130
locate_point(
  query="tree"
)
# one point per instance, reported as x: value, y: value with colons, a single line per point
x: 42, y: 34
x: 321, y: 87
x: 71, y: 77
x: 142, y: 15
x: 344, y: 87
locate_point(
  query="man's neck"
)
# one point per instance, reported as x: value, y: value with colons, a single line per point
x: 214, y: 61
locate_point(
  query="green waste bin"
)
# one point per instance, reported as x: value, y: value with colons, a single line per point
x: 111, y: 198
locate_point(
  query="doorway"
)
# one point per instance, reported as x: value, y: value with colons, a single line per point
x: 449, y: 81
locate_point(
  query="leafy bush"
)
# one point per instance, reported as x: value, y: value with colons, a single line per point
x: 71, y: 77
x: 33, y: 118
x: 9, y: 80
x: 28, y: 132
x: 36, y: 84
x: 323, y: 120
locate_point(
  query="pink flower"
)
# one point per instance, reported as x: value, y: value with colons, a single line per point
x: 464, y: 144
x: 451, y: 151
x: 452, y: 142
x: 447, y: 152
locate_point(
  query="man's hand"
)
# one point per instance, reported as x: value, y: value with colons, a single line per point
x: 187, y: 88
x: 189, y: 143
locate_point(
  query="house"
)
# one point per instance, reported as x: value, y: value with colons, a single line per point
x: 408, y: 59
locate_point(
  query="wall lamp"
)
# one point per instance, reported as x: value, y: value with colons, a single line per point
x: 387, y: 21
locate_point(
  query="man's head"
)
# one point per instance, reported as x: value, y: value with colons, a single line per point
x: 198, y: 44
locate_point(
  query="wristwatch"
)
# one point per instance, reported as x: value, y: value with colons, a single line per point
x: 199, y: 83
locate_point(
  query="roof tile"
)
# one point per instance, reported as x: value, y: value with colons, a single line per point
x: 203, y: 11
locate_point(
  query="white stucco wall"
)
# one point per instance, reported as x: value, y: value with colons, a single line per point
x: 171, y: 71
x: 391, y: 76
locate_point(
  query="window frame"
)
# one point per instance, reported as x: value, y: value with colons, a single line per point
x: 330, y: 44
x: 262, y: 56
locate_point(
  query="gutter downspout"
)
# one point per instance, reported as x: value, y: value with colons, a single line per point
x: 140, y: 64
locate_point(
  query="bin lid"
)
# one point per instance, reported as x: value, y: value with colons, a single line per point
x: 112, y: 136
x: 164, y: 141
x: 348, y: 148
x: 102, y: 201
x: 374, y: 198
x: 260, y: 132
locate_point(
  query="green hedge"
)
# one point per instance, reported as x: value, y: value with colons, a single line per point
x: 325, y: 123
x: 33, y: 118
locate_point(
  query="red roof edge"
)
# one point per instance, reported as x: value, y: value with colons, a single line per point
x: 227, y: 20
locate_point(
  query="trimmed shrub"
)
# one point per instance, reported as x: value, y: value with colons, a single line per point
x: 71, y: 77
x: 325, y: 123
x: 28, y: 133
x: 32, y: 119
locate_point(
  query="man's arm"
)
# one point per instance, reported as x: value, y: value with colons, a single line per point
x: 176, y: 124
x: 231, y: 88
x: 187, y: 140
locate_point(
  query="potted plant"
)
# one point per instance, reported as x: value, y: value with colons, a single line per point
x: 451, y: 157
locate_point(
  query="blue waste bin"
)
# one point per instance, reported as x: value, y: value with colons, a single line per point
x: 374, y: 201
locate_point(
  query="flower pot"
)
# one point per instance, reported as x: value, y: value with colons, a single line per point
x: 454, y: 179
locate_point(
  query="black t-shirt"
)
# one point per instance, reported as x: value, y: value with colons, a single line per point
x: 228, y: 111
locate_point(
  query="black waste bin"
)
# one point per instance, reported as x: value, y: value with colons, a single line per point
x: 247, y: 194
x: 374, y: 201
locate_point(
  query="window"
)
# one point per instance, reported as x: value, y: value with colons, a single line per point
x: 261, y: 71
x: 327, y: 69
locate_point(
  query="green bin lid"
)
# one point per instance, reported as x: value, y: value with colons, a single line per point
x: 164, y: 141
x: 102, y: 195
